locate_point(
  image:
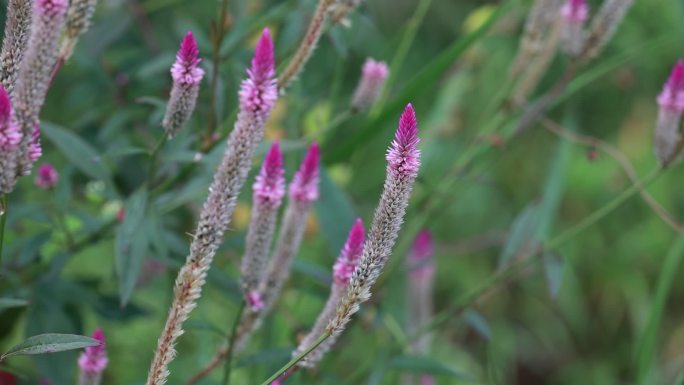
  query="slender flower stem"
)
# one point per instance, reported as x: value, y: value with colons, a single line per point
x: 231, y: 339
x: 298, y: 358
x: 4, y: 208
x: 153, y: 160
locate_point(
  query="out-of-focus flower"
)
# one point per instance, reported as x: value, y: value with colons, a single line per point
x: 47, y: 176
x: 667, y: 143
x: 93, y: 361
x: 574, y: 15
x: 10, y: 137
x: 373, y: 77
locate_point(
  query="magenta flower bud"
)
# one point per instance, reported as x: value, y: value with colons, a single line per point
x: 93, y: 361
x: 671, y: 102
x: 47, y: 177
x: 373, y: 77
x: 350, y: 255
x: 269, y: 186
x: 187, y: 76
x: 10, y: 133
x: 259, y: 92
x: 403, y: 155
x: 574, y: 14
x: 304, y: 186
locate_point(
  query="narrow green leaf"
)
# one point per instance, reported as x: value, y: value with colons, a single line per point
x: 427, y: 365
x: 80, y: 153
x: 553, y: 269
x: 521, y: 235
x: 50, y: 343
x: 8, y: 303
x: 131, y: 244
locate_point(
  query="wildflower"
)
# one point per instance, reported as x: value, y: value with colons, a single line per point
x: 269, y: 189
x: 373, y: 76
x: 604, y: 25
x: 47, y: 177
x: 35, y: 73
x: 93, y: 361
x: 186, y: 76
x: 671, y: 102
x: 574, y: 14
x: 35, y: 150
x: 10, y: 137
x: 14, y: 45
x: 77, y: 22
x: 342, y: 272
x: 403, y: 162
x: 219, y: 206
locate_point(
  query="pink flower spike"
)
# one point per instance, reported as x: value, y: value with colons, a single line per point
x: 672, y: 95
x: 269, y: 186
x: 35, y: 151
x: 420, y: 257
x: 52, y: 8
x: 259, y: 91
x: 403, y: 155
x: 94, y: 359
x: 10, y: 133
x: 304, y: 186
x: 47, y: 177
x: 255, y: 301
x: 350, y: 255
x: 186, y: 68
x: 373, y: 76
x: 575, y: 11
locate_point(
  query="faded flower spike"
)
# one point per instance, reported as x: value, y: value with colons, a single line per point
x: 304, y: 186
x: 14, y: 45
x: 10, y: 137
x: 47, y: 177
x: 77, y: 23
x: 35, y: 73
x: 342, y: 271
x: 421, y: 281
x: 269, y: 190
x: 604, y: 25
x: 258, y: 92
x: 93, y: 361
x: 574, y: 14
x: 671, y: 102
x: 373, y: 76
x: 403, y: 162
x: 214, y: 219
x: 187, y: 76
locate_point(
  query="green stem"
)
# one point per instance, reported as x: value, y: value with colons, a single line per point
x: 153, y: 160
x: 4, y: 208
x: 298, y: 358
x: 231, y: 344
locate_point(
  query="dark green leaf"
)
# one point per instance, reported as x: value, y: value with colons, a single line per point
x: 79, y: 152
x: 8, y: 303
x: 131, y: 244
x: 50, y: 343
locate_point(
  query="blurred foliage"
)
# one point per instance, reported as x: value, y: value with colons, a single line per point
x: 597, y: 311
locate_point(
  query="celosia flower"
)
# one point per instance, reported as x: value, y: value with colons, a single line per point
x: 373, y: 76
x: 93, y: 361
x: 258, y: 92
x: 269, y: 189
x: 304, y: 186
x: 187, y: 76
x: 77, y: 22
x: 420, y: 258
x: 574, y: 15
x: 35, y: 150
x: 604, y: 25
x: 35, y: 73
x: 10, y: 137
x: 671, y: 103
x: 14, y: 45
x: 217, y: 211
x: 345, y: 265
x: 403, y: 162
x: 47, y: 177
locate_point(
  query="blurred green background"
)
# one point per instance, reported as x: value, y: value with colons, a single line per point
x: 589, y: 313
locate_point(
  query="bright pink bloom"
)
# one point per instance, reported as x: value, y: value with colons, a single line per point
x: 255, y: 301
x: 94, y: 359
x: 35, y: 150
x: 10, y: 133
x: 269, y: 186
x: 52, y: 8
x: 350, y: 255
x: 259, y: 91
x: 304, y: 186
x: 186, y: 69
x: 47, y: 177
x: 575, y: 11
x: 403, y: 155
x: 420, y: 258
x: 672, y: 95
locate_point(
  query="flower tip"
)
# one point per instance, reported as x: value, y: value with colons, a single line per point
x: 98, y: 334
x: 375, y: 69
x: 264, y: 56
x: 403, y: 155
x: 188, y: 48
x: 304, y: 186
x: 274, y: 157
x: 422, y: 246
x: 269, y: 185
x: 357, y: 233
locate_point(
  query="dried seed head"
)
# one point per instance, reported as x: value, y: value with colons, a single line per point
x: 77, y: 23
